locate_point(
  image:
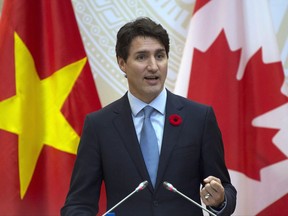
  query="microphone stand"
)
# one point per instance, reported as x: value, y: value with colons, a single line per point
x: 141, y: 186
x: 170, y: 187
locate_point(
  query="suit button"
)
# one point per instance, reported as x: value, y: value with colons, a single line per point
x: 155, y: 203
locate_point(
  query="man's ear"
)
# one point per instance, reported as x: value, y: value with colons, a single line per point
x: 121, y: 64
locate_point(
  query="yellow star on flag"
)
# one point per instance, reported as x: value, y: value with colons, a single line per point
x: 34, y: 113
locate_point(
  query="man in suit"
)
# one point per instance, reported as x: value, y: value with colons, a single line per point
x: 188, y: 141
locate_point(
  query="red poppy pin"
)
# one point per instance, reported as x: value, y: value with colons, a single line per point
x: 175, y: 119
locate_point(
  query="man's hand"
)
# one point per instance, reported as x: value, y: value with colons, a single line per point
x: 212, y: 194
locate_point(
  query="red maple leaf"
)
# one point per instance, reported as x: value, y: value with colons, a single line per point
x: 199, y: 5
x: 237, y: 102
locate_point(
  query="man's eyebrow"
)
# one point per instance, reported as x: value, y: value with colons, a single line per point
x: 141, y: 52
x: 160, y: 50
x: 147, y: 51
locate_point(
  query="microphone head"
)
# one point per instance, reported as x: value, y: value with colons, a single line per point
x: 142, y: 186
x: 168, y: 186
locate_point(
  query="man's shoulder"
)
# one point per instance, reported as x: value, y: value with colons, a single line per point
x: 186, y: 101
x: 113, y: 107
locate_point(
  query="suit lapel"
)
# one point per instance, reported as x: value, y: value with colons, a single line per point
x: 125, y: 126
x: 170, y: 135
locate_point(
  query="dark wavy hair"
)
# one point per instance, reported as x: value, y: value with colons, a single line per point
x: 142, y: 26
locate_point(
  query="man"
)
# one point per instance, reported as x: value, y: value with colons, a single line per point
x: 189, y: 148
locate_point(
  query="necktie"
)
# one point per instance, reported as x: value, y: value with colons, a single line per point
x: 149, y: 145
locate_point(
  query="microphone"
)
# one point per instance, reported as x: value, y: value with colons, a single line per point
x: 170, y: 187
x: 140, y: 187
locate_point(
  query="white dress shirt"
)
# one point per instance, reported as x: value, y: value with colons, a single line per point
x: 157, y: 117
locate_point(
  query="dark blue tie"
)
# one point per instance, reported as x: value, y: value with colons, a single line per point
x: 149, y: 145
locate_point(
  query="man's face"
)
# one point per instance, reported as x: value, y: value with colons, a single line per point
x: 145, y: 68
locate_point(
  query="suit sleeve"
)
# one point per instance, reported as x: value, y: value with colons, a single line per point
x: 85, y: 186
x: 213, y: 161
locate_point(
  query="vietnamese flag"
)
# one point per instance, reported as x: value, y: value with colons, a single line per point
x: 46, y: 89
x: 231, y: 61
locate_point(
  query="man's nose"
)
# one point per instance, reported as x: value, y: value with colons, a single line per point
x: 152, y: 64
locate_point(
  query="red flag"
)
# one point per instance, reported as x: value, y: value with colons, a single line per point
x: 46, y: 89
x: 234, y: 65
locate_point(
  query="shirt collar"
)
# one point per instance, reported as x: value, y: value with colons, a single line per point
x: 158, y: 103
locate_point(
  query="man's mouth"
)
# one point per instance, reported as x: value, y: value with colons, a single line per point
x: 151, y: 77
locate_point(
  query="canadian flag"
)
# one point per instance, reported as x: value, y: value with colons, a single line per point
x: 231, y: 61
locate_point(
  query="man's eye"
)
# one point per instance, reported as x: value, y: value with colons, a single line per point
x: 160, y: 56
x: 140, y: 57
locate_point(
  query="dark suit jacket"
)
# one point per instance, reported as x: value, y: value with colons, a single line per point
x: 109, y: 151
